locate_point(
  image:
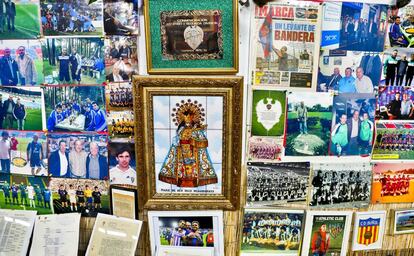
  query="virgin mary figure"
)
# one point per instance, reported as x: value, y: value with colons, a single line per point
x: 188, y: 162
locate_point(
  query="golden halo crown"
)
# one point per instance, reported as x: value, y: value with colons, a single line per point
x: 194, y: 108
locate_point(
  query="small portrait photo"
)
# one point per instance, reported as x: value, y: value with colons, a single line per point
x: 340, y: 185
x: 348, y: 71
x: 71, y: 18
x: 85, y: 196
x: 121, y: 17
x: 395, y: 103
x: 122, y: 164
x: 189, y: 231
x: 352, y: 131
x: 121, y: 58
x: 21, y: 108
x: 22, y: 192
x: 308, y: 123
x: 121, y: 125
x: 277, y: 184
x: 20, y: 19
x: 119, y: 96
x: 403, y: 221
x: 272, y: 232
x: 394, y: 141
x: 75, y: 108
x: 78, y: 156
x: 78, y: 61
x: 23, y: 152
x: 21, y: 62
x: 392, y: 183
x: 398, y: 67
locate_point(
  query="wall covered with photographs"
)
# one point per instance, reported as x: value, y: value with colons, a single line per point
x: 211, y: 127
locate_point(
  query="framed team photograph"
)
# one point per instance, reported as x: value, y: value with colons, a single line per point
x: 75, y: 108
x: 191, y: 37
x: 26, y: 62
x: 267, y: 128
x: 308, y: 123
x: 118, y: 96
x: 272, y: 232
x: 352, y: 128
x: 122, y: 164
x: 192, y: 126
x: 20, y: 20
x: 23, y: 152
x: 340, y: 185
x: 85, y: 196
x: 395, y: 103
x: 124, y: 202
x: 347, y: 26
x: 73, y: 61
x: 121, y: 58
x: 71, y: 18
x: 402, y: 220
x: 81, y: 156
x: 392, y: 183
x: 22, y: 108
x: 277, y: 184
x: 23, y: 192
x: 121, y: 17
x: 326, y: 232
x: 184, y: 232
x: 121, y: 125
x: 369, y: 230
x: 394, y: 141
x: 284, y: 41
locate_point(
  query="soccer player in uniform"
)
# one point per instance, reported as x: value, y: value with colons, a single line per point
x: 34, y: 155
x: 76, y: 63
x: 81, y: 197
x: 96, y: 194
x: 63, y: 194
x: 99, y: 121
x: 6, y: 191
x: 23, y: 195
x: 38, y: 193
x: 55, y: 118
x: 63, y: 61
x: 178, y: 234
x: 194, y: 238
x: 31, y: 195
x: 88, y: 195
x: 15, y: 190
x: 46, y: 197
x: 123, y: 173
x: 72, y: 198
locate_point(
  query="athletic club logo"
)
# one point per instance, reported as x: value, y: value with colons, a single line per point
x: 368, y: 231
x: 193, y: 36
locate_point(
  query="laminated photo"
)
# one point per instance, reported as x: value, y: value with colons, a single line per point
x: 395, y: 103
x: 121, y: 17
x: 278, y: 184
x: 400, y: 27
x: 121, y: 125
x: 121, y: 58
x: 308, y: 123
x: 118, y: 96
x: 285, y: 44
x: 403, y: 221
x: 122, y: 164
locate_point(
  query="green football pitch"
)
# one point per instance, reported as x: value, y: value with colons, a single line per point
x: 40, y: 210
x: 33, y: 120
x: 27, y: 23
x: 58, y: 207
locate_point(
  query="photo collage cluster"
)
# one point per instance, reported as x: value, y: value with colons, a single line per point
x: 340, y: 99
x: 66, y: 123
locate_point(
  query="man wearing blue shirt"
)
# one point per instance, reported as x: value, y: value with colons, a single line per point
x: 397, y: 37
x: 347, y: 83
x: 55, y: 117
x: 99, y: 121
x: 64, y: 61
x: 34, y: 155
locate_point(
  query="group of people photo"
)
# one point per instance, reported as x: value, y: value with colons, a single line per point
x: 186, y: 233
x: 120, y: 96
x: 345, y: 81
x: 121, y: 59
x: 394, y: 184
x: 398, y: 67
x: 331, y: 187
x: 395, y: 104
x: 272, y: 231
x: 396, y: 141
x: 121, y: 17
x: 71, y: 17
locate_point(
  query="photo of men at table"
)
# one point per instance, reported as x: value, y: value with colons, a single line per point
x: 363, y: 26
x: 358, y: 72
x: 121, y: 17
x: 78, y: 156
x: 81, y: 17
x: 73, y: 61
x: 352, y: 124
x: 75, y: 108
x: 400, y: 30
x: 121, y: 59
x: 398, y: 67
x: 395, y: 103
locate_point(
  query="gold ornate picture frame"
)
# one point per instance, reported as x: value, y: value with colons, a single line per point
x: 188, y: 140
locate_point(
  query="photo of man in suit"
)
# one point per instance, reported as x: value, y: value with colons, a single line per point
x: 9, y: 69
x: 59, y: 162
x: 11, y: 14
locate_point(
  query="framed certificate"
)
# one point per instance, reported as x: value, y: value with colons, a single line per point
x: 191, y: 37
x: 124, y: 202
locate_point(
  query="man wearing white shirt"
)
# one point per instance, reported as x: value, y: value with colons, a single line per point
x: 123, y: 173
x: 30, y: 195
x: 59, y: 161
x: 363, y: 83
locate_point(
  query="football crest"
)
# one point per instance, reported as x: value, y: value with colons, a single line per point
x: 368, y: 231
x: 193, y: 36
